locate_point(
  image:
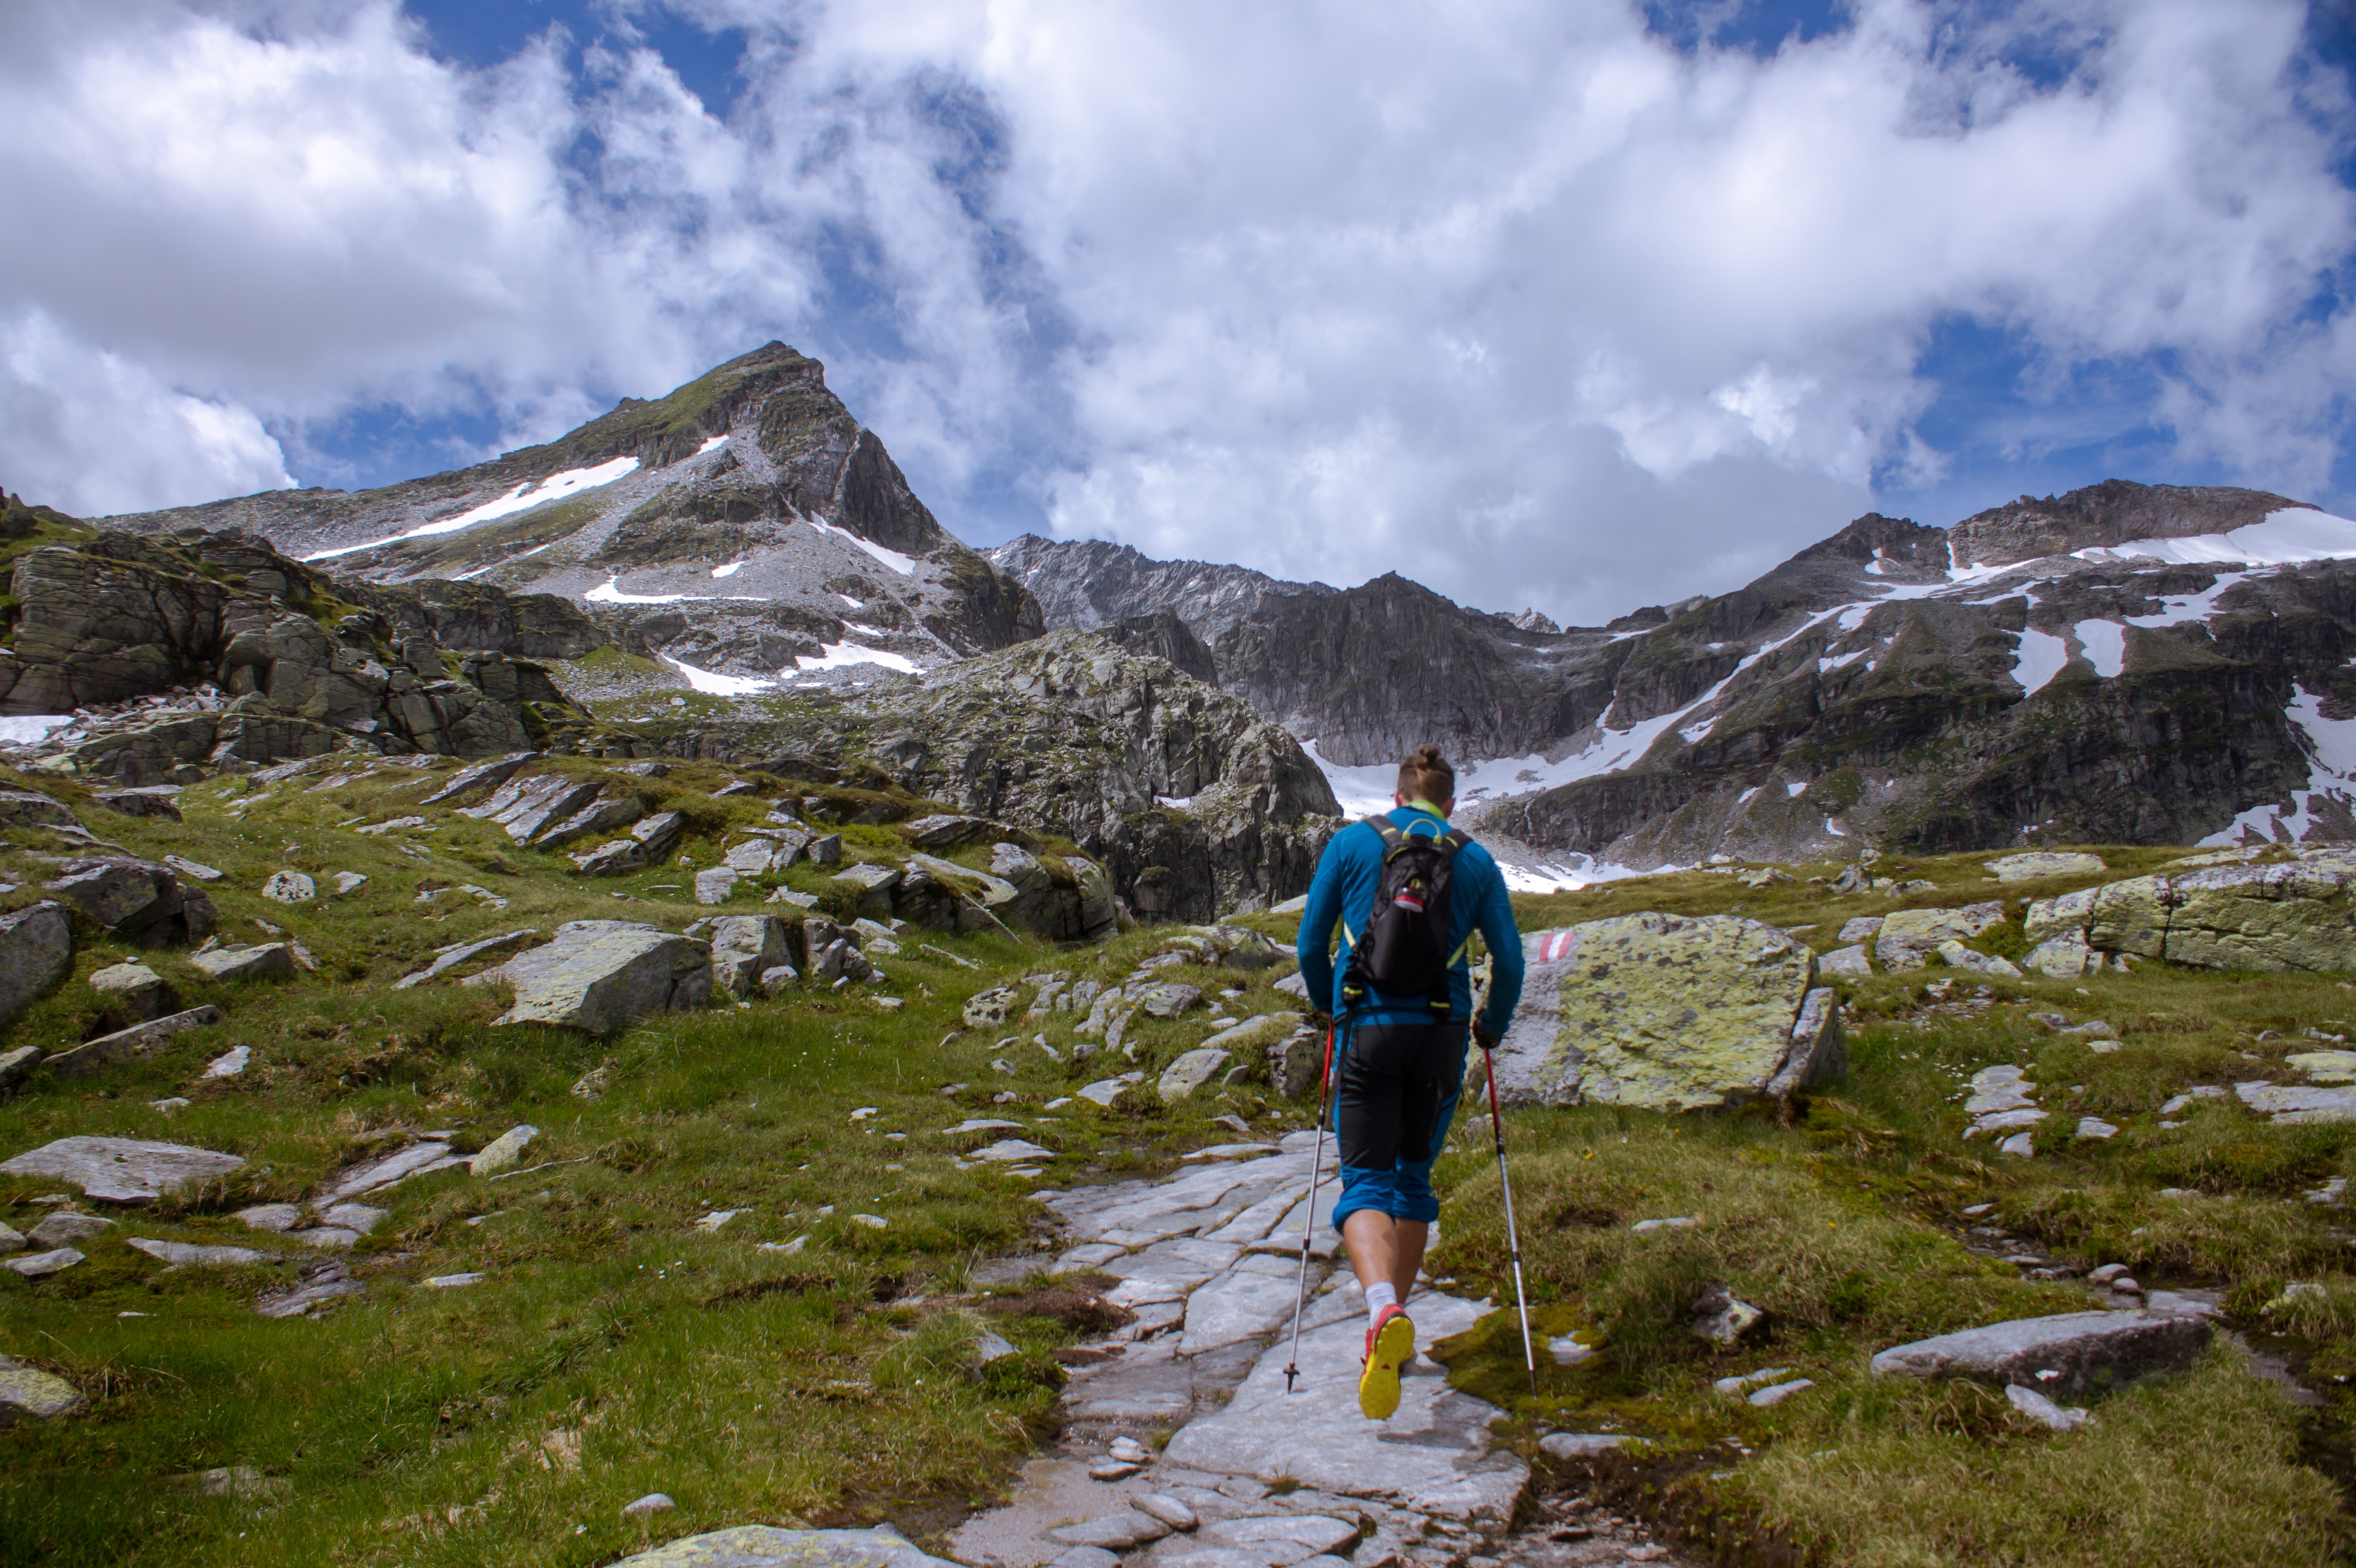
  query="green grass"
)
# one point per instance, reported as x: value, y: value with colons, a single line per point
x: 613, y: 1350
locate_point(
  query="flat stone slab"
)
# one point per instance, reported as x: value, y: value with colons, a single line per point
x: 2044, y: 862
x: 1279, y: 1540
x: 767, y: 1546
x: 1432, y: 1455
x: 417, y: 1159
x: 126, y: 1045
x: 122, y: 1170
x: 185, y: 1254
x: 2293, y: 1103
x: 2087, y: 1350
x: 1238, y: 1305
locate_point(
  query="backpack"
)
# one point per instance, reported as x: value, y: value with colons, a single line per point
x: 1403, y: 950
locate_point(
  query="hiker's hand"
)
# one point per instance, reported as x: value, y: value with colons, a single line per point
x: 1486, y: 1040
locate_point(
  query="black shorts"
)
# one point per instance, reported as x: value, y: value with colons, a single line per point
x: 1397, y: 1086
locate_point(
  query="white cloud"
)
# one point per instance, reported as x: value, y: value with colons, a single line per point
x: 1513, y: 299
x: 92, y: 433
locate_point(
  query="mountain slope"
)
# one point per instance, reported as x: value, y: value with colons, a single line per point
x: 2127, y: 664
x: 741, y: 524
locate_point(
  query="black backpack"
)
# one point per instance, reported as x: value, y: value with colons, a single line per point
x: 1403, y: 950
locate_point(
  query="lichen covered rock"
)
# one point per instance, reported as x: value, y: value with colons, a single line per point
x: 1667, y: 1012
x: 603, y: 975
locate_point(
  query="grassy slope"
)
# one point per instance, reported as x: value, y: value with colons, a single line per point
x: 1845, y: 1228
x: 615, y: 1349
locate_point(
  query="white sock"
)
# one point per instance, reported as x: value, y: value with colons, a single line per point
x: 1379, y: 1297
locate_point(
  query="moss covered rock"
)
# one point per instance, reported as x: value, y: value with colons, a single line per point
x: 1666, y: 1011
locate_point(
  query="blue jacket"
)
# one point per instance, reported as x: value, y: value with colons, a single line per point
x: 1343, y: 892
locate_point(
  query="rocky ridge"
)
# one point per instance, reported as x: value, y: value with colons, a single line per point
x: 745, y: 524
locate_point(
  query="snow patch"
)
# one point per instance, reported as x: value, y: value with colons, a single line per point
x: 2331, y: 747
x: 843, y: 655
x: 2294, y: 533
x: 2178, y: 610
x: 2105, y: 643
x: 523, y: 497
x: 2040, y: 659
x: 1793, y: 788
x: 730, y: 570
x: 25, y: 729
x: 713, y: 445
x: 904, y: 564
x: 854, y: 604
x: 712, y: 681
x: 610, y: 592
x: 1744, y: 799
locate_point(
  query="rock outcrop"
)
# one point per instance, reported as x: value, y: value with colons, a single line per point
x: 1193, y: 803
x: 601, y: 975
x: 1667, y: 1012
x: 2296, y: 916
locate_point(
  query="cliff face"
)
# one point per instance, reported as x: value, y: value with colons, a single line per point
x: 743, y: 523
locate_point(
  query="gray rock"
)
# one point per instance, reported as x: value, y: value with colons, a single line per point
x: 2087, y: 1350
x: 871, y: 886
x: 35, y: 950
x: 64, y: 1227
x: 457, y: 956
x: 1172, y: 1512
x: 349, y: 882
x: 1168, y: 1000
x: 17, y: 1065
x: 160, y: 800
x: 41, y: 1265
x: 1909, y: 937
x: 989, y: 1009
x: 1113, y: 1532
x: 613, y: 858
x: 609, y: 810
x: 11, y: 1239
x: 1012, y: 1151
x: 1776, y: 1394
x: 778, y: 981
x: 528, y: 806
x: 2298, y: 1105
x: 24, y: 809
x: 744, y: 949
x: 185, y: 1254
x: 2065, y: 956
x: 354, y: 1217
x: 1848, y: 963
x: 1295, y: 1062
x: 1581, y: 1445
x: 245, y: 964
x: 193, y: 869
x: 603, y: 975
x: 1724, y: 1317
x: 2043, y: 1411
x: 1861, y: 928
x: 1191, y: 1071
x: 134, y: 986
x: 826, y: 850
x: 502, y: 1151
x: 122, y: 1170
x: 2044, y: 862
x: 1282, y: 1539
x: 715, y: 886
x: 1104, y: 1091
x: 481, y: 775
x: 290, y: 888
x: 1955, y: 955
x: 768, y: 1546
x: 273, y: 1217
x: 660, y: 834
x: 1819, y: 1054
x: 653, y: 1502
x: 29, y: 1395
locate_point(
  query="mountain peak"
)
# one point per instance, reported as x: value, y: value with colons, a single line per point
x: 2113, y: 513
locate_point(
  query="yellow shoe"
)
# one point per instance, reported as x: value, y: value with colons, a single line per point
x: 1390, y: 1345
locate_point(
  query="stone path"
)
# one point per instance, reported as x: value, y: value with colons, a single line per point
x: 1252, y: 1476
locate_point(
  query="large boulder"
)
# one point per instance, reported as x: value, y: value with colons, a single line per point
x: 770, y: 1546
x: 2075, y: 1352
x: 604, y: 975
x: 1667, y: 1012
x: 1908, y: 938
x: 135, y: 899
x: 129, y: 1044
x: 122, y: 1170
x: 35, y: 950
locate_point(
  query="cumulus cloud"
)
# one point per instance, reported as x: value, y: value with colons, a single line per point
x: 1516, y: 298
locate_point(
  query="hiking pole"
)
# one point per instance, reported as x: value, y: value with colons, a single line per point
x: 1513, y: 1236
x: 1309, y: 1209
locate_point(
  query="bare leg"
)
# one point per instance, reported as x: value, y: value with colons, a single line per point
x: 1382, y: 1248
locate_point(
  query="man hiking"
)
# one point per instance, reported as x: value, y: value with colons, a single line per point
x: 1407, y: 892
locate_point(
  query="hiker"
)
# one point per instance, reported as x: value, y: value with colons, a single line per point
x: 1407, y: 892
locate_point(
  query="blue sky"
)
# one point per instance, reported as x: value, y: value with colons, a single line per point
x: 1329, y: 289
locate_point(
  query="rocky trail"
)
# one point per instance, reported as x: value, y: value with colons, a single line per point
x: 1204, y: 1264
